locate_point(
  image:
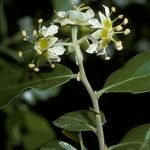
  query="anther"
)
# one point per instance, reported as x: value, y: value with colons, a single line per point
x: 24, y: 33
x: 127, y: 31
x: 119, y: 46
x: 107, y: 58
x: 34, y: 33
x: 20, y: 54
x: 31, y: 65
x: 125, y: 21
x: 120, y: 16
x: 113, y: 9
x: 119, y: 28
x: 40, y: 20
x: 36, y: 69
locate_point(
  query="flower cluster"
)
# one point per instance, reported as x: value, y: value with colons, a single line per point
x: 45, y: 45
x: 106, y: 32
x: 103, y: 31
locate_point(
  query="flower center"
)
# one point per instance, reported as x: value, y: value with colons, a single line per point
x: 43, y: 43
x: 107, y: 31
x: 107, y: 24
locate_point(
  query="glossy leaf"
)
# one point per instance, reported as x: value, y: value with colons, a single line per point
x: 137, y: 139
x: 73, y: 135
x: 58, y: 145
x: 14, y: 81
x: 83, y: 120
x: 134, y: 77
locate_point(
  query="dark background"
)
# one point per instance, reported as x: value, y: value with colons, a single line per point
x: 122, y: 111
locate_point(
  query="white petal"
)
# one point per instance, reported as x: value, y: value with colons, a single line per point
x: 107, y: 11
x: 53, y: 29
x: 58, y: 50
x: 66, y: 21
x: 52, y: 41
x: 95, y: 23
x: 89, y: 14
x: 92, y: 48
x: 74, y: 15
x: 102, y: 16
x: 62, y: 14
x: 52, y: 56
x: 43, y: 30
x: 96, y: 34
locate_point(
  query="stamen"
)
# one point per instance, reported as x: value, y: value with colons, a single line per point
x: 119, y: 28
x: 36, y: 69
x: 40, y: 20
x: 113, y: 9
x: 39, y: 52
x: 31, y: 65
x: 125, y: 21
x: 120, y: 16
x: 127, y: 31
x: 51, y: 65
x: 25, y: 39
x: 20, y: 54
x: 106, y: 56
x: 84, y: 8
x: 119, y: 46
x: 40, y: 23
x: 35, y: 33
x: 24, y: 33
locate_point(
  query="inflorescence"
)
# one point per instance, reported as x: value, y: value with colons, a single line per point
x: 103, y: 31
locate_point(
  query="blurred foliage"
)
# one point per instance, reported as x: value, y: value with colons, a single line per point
x: 24, y: 128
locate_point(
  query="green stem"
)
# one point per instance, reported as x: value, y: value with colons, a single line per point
x: 88, y: 87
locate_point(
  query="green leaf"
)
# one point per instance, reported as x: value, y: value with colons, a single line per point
x: 134, y: 77
x: 58, y: 145
x: 73, y: 135
x: 14, y: 81
x: 83, y: 120
x: 38, y: 131
x: 137, y: 139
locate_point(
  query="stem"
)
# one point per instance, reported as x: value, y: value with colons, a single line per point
x: 88, y: 87
x: 81, y: 141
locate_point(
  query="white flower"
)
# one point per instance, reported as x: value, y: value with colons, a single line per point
x: 45, y: 45
x: 50, y: 31
x: 75, y: 17
x: 105, y: 32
